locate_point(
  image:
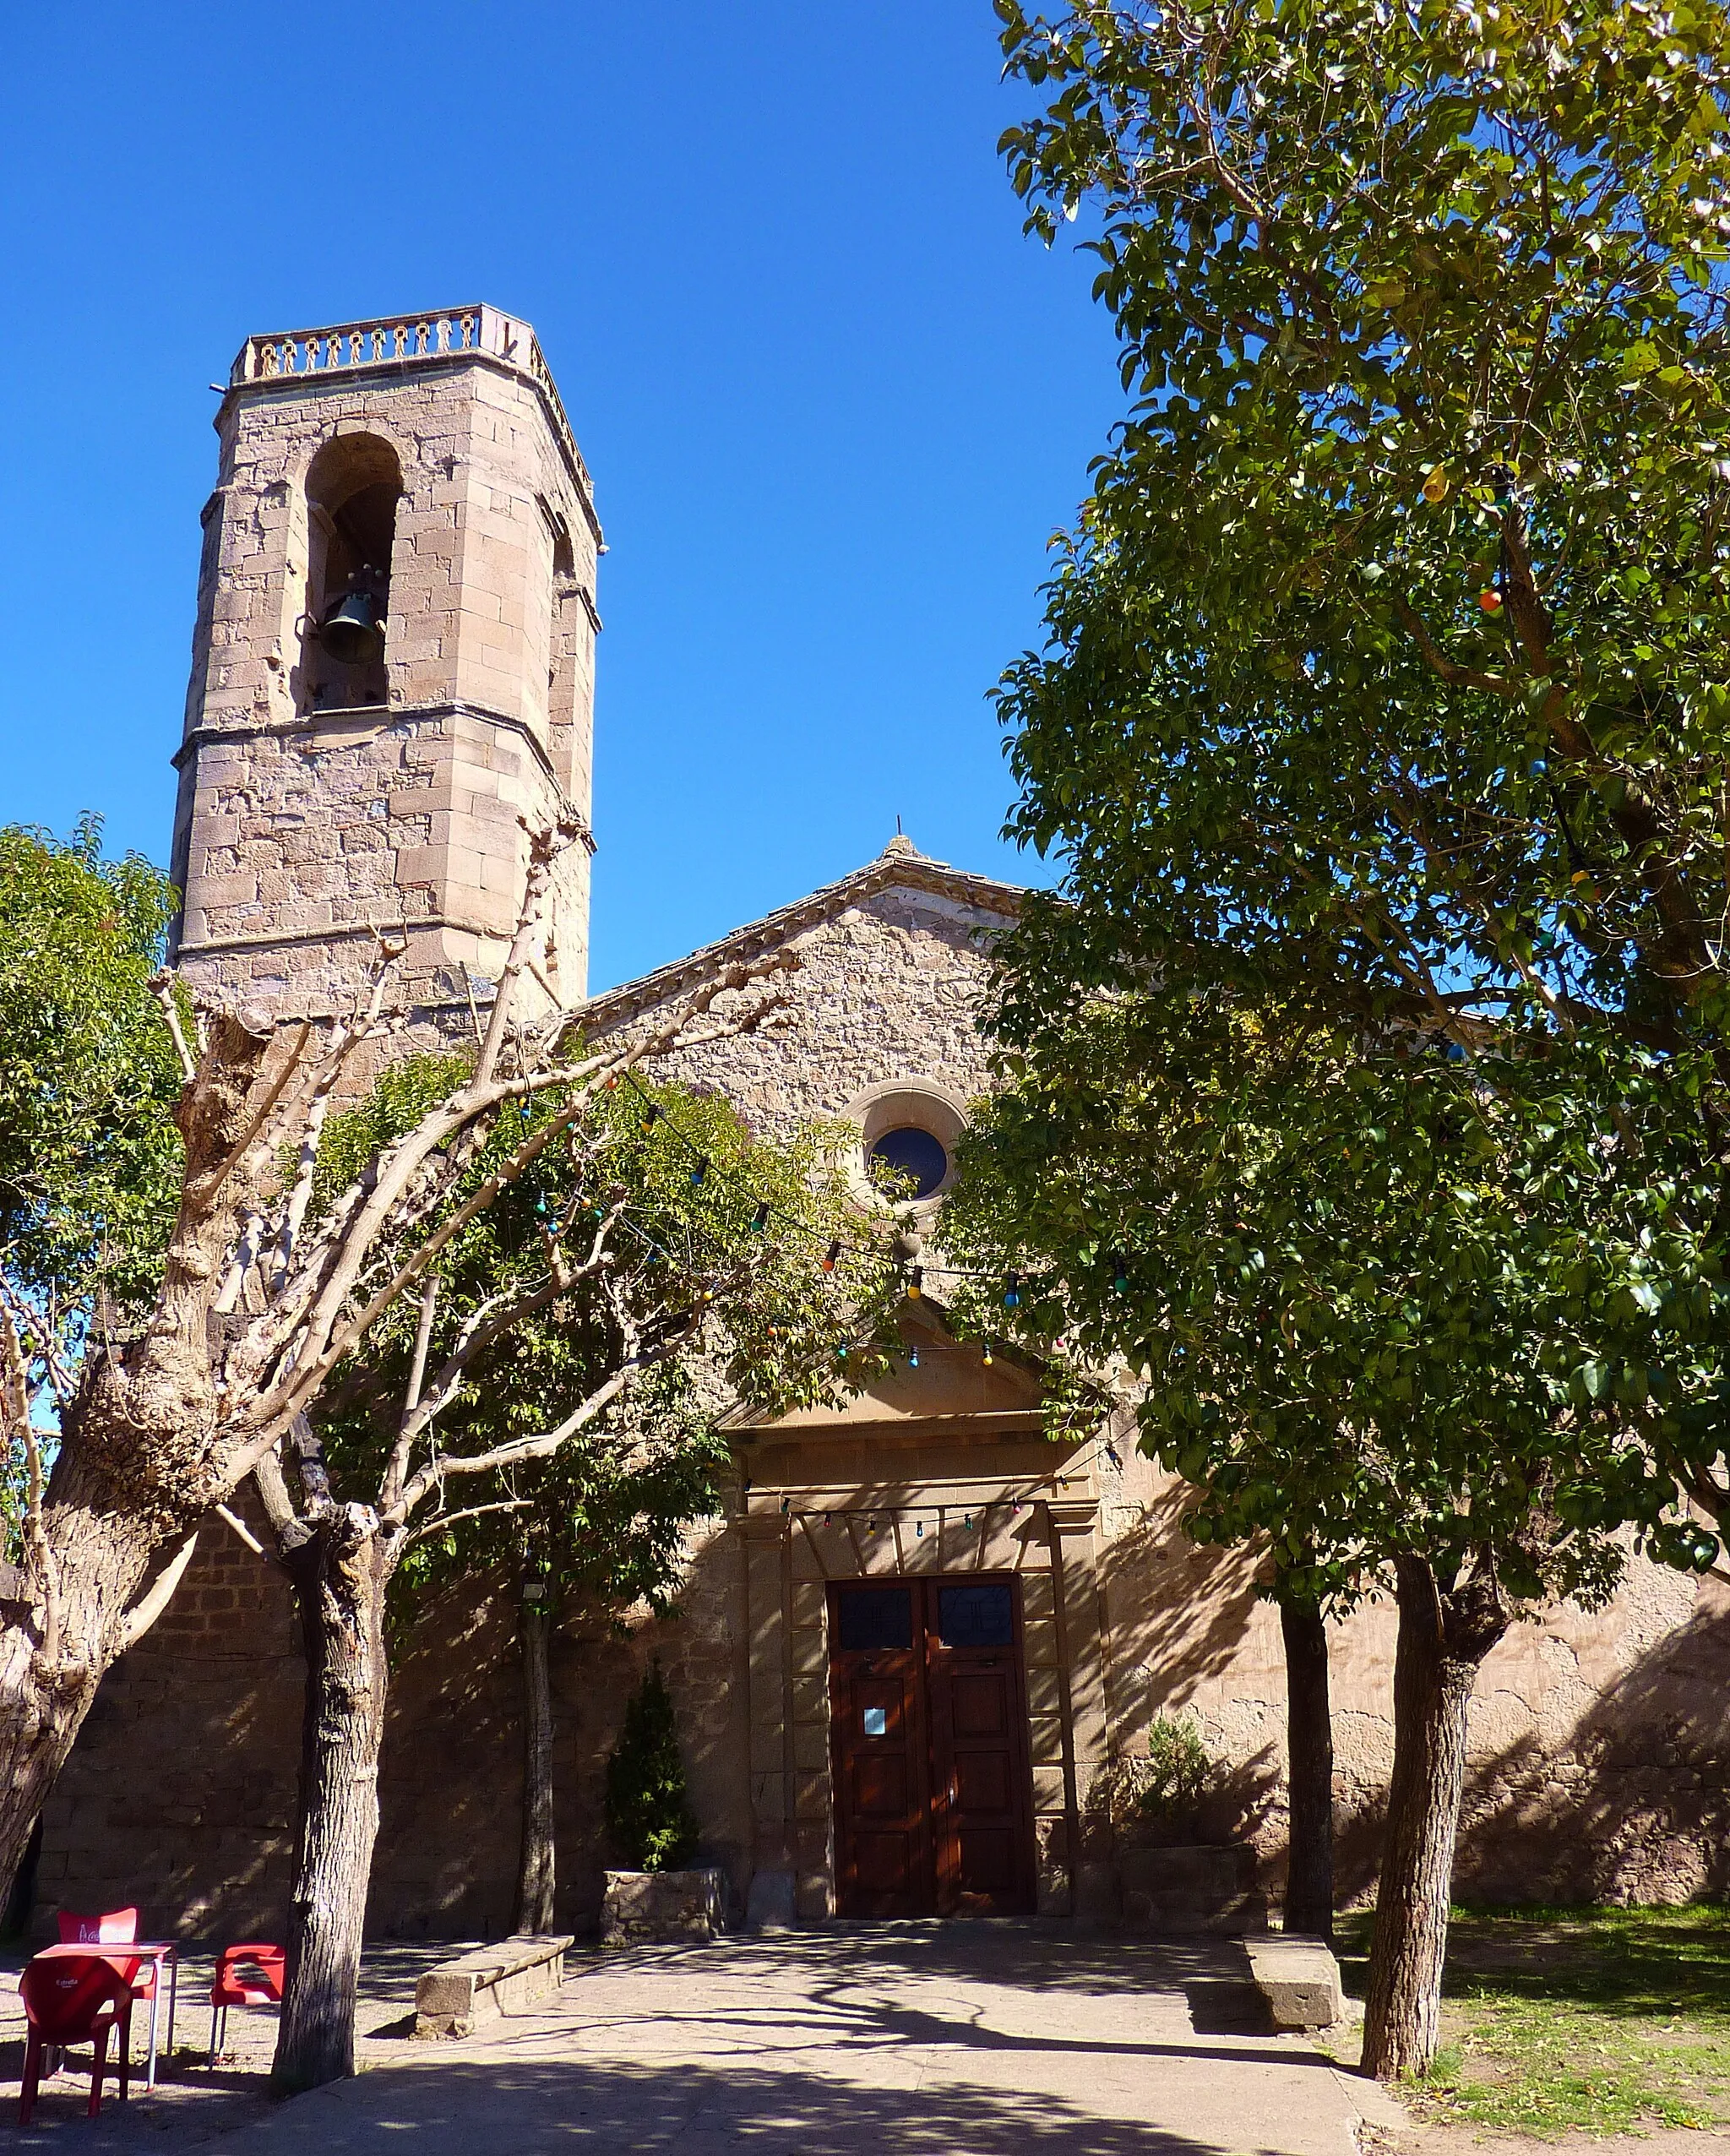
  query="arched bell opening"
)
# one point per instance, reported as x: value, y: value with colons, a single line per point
x: 353, y: 486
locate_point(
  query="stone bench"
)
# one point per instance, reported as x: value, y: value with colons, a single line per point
x: 1299, y: 1978
x: 470, y: 1988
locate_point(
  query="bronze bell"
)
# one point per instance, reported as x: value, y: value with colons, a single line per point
x: 351, y: 631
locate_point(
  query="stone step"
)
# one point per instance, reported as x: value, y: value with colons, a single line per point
x: 1299, y: 1979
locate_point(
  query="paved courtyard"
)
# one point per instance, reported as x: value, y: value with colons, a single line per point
x: 959, y: 2039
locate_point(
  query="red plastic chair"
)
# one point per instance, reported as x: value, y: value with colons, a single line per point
x: 113, y: 1928
x: 74, y: 2000
x: 252, y: 1975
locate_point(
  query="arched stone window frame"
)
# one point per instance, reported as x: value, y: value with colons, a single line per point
x: 911, y: 1103
x: 373, y: 458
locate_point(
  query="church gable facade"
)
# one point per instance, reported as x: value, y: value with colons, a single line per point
x: 918, y: 1632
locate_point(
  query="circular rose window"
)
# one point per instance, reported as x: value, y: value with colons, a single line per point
x: 909, y: 1128
x: 908, y: 1161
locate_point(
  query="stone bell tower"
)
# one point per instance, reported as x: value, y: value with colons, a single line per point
x: 393, y: 663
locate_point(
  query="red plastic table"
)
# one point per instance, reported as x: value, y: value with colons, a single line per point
x: 126, y: 1956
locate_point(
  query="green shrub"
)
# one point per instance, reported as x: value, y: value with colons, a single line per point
x: 1162, y: 1783
x: 648, y: 1810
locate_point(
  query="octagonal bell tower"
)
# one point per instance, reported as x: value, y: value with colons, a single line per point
x: 393, y: 665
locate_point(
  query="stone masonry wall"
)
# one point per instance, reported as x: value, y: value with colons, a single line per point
x: 1599, y: 1762
x: 887, y: 989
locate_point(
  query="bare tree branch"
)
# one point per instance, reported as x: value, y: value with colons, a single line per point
x: 327, y: 1337
x: 442, y: 1520
x: 143, y: 1614
x: 234, y: 1521
x: 62, y: 1378
x: 40, y: 1561
x: 162, y: 987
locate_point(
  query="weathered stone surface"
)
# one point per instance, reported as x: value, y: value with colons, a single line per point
x: 772, y: 1904
x: 1299, y: 1978
x: 1192, y: 1889
x: 641, y: 1908
x: 313, y: 812
x: 470, y: 1989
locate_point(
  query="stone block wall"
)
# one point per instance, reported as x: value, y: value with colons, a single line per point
x: 1612, y: 1783
x: 1599, y: 1760
x: 1600, y: 1742
x: 887, y: 988
x: 180, y: 1794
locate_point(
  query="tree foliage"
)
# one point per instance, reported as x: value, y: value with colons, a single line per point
x: 1372, y: 1306
x: 90, y: 1157
x: 1377, y: 1049
x: 1392, y: 653
x: 648, y: 1808
x: 1384, y: 712
x: 758, y: 1320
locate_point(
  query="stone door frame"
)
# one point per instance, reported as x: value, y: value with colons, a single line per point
x: 790, y: 1557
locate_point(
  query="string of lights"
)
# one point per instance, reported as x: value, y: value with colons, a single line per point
x: 654, y: 1115
x: 1015, y: 1285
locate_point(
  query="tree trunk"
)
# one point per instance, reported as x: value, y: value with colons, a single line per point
x: 340, y: 1565
x: 535, y: 1876
x: 51, y: 1661
x: 1444, y: 1638
x: 1309, y: 1747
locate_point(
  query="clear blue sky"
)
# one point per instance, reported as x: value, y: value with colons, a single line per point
x: 835, y: 404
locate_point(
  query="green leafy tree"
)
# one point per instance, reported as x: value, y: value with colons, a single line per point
x: 1383, y: 713
x: 257, y: 1300
x: 1361, y: 1319
x: 90, y: 1171
x: 648, y: 1807
x: 550, y: 1394
x: 90, y: 1157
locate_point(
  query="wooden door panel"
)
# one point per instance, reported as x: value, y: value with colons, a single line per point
x: 881, y: 1788
x: 884, y: 1866
x: 881, y: 1772
x: 987, y: 1869
x: 980, y: 1704
x: 981, y: 1776
x: 982, y: 1782
x: 933, y: 1789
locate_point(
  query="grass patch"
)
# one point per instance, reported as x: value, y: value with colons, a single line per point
x: 1603, y: 2020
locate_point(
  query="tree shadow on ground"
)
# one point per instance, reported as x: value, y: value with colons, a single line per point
x: 1042, y: 1954
x: 1645, y: 1964
x: 1642, y: 1964
x: 522, y: 2107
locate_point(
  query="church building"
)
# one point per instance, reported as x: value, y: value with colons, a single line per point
x: 919, y: 1632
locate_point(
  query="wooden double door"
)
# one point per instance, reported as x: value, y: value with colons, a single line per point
x: 933, y: 1798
